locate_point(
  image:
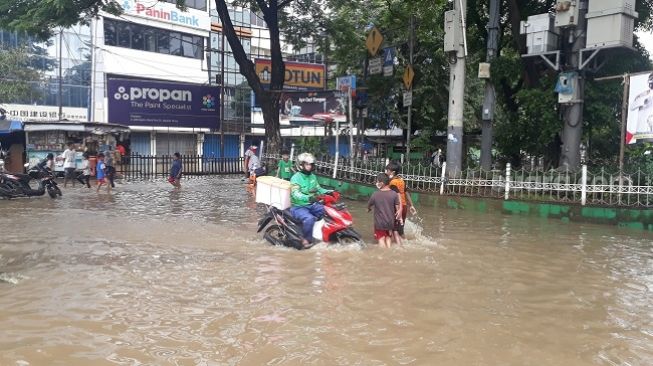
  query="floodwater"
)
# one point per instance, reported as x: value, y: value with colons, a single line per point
x: 147, y: 276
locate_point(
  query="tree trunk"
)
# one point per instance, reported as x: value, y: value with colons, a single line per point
x: 268, y: 99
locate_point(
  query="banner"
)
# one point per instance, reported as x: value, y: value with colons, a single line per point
x: 640, y: 108
x: 309, y: 108
x: 135, y: 102
x: 299, y: 75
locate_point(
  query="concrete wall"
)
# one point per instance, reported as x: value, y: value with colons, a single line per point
x: 634, y: 218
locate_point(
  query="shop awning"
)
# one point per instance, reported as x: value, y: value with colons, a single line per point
x: 7, y: 126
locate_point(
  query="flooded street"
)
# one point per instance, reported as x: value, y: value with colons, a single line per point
x: 147, y: 276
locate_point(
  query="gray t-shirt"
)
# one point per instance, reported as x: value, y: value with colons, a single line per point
x: 384, y: 203
x: 108, y: 158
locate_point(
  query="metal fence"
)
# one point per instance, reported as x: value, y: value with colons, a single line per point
x: 146, y: 166
x: 596, y: 187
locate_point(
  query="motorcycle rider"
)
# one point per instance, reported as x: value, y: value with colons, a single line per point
x: 47, y: 163
x: 303, y: 197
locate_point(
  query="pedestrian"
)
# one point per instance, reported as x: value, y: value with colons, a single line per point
x: 285, y: 171
x: 100, y: 173
x: 387, y: 210
x: 68, y: 158
x: 175, y: 171
x: 85, y: 175
x: 253, y: 163
x: 436, y: 158
x: 398, y: 185
x: 251, y: 152
x: 47, y: 163
x: 111, y: 170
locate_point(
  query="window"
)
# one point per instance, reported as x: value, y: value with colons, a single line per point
x: 144, y: 38
x: 195, y: 4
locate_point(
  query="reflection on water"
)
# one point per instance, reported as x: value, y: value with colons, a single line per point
x: 152, y: 276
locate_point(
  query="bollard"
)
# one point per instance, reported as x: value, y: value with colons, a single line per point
x: 261, y: 149
x: 583, y: 186
x: 507, y: 193
x: 444, y: 172
x: 292, y: 151
x: 335, y: 165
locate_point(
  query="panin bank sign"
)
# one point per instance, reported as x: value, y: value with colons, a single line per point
x: 162, y: 104
x: 166, y: 12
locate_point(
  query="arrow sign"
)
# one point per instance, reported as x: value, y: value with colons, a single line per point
x: 373, y: 41
x: 409, y: 74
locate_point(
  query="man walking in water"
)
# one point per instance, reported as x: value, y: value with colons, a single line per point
x: 68, y: 157
x: 175, y: 171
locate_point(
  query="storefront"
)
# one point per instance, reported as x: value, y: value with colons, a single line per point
x: 42, y: 138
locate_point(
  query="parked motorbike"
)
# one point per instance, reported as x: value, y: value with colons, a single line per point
x: 334, y: 228
x: 19, y: 185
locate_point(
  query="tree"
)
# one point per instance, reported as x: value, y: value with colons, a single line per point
x: 17, y: 75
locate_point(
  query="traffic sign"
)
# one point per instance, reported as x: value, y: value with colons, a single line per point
x: 408, y: 98
x: 409, y: 74
x: 346, y: 83
x: 388, y: 61
x: 375, y: 66
x: 373, y: 41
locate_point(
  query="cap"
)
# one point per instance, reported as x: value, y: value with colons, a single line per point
x: 253, y: 147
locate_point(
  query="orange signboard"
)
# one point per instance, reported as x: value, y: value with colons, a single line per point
x: 299, y: 75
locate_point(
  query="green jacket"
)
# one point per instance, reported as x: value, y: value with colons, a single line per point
x: 303, y: 187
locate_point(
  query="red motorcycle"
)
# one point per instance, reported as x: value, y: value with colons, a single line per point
x: 335, y: 227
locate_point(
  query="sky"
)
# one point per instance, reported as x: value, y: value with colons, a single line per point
x: 647, y: 40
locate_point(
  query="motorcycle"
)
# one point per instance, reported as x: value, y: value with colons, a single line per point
x: 334, y: 228
x: 18, y: 185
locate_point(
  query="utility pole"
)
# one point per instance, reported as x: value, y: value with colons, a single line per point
x: 573, y: 112
x: 60, y: 94
x: 489, y: 102
x: 410, y: 107
x: 456, y: 91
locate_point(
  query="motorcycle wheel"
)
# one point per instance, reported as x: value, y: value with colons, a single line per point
x: 274, y: 235
x: 52, y: 192
x: 348, y: 239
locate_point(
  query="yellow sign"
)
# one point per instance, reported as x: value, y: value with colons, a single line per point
x: 299, y: 75
x: 373, y: 41
x: 409, y: 74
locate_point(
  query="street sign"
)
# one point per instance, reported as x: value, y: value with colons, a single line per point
x: 388, y: 61
x: 345, y: 83
x: 408, y: 98
x: 373, y: 41
x: 375, y: 66
x: 409, y: 74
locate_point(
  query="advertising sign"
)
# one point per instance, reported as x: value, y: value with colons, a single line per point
x: 299, y: 75
x: 345, y: 83
x: 136, y: 102
x: 162, y: 11
x: 41, y: 113
x: 311, y: 107
x: 640, y: 108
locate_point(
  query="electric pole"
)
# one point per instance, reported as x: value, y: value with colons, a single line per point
x: 410, y: 107
x: 573, y: 111
x: 489, y: 102
x: 456, y: 89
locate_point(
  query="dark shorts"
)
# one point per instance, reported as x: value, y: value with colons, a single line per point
x: 70, y: 172
x: 380, y: 234
x: 399, y: 226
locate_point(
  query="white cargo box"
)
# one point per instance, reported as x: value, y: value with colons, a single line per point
x: 273, y: 191
x: 539, y: 42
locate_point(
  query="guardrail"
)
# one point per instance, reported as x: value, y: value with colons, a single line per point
x: 598, y: 188
x: 149, y: 166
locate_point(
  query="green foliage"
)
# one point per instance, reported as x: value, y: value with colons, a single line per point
x: 16, y: 72
x: 313, y: 145
x: 41, y: 17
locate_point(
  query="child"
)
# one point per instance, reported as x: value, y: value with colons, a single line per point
x: 398, y: 185
x: 285, y: 167
x: 85, y: 174
x: 100, y: 173
x: 175, y: 171
x: 387, y: 209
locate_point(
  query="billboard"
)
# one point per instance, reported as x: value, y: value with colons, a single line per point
x: 309, y: 108
x: 640, y: 108
x: 299, y: 75
x: 167, y: 12
x: 136, y: 102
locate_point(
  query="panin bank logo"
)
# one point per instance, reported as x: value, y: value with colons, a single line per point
x: 154, y: 94
x: 169, y: 15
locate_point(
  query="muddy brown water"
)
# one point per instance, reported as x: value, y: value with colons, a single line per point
x: 147, y: 276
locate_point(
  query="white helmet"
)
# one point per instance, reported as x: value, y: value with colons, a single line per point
x: 305, y: 158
